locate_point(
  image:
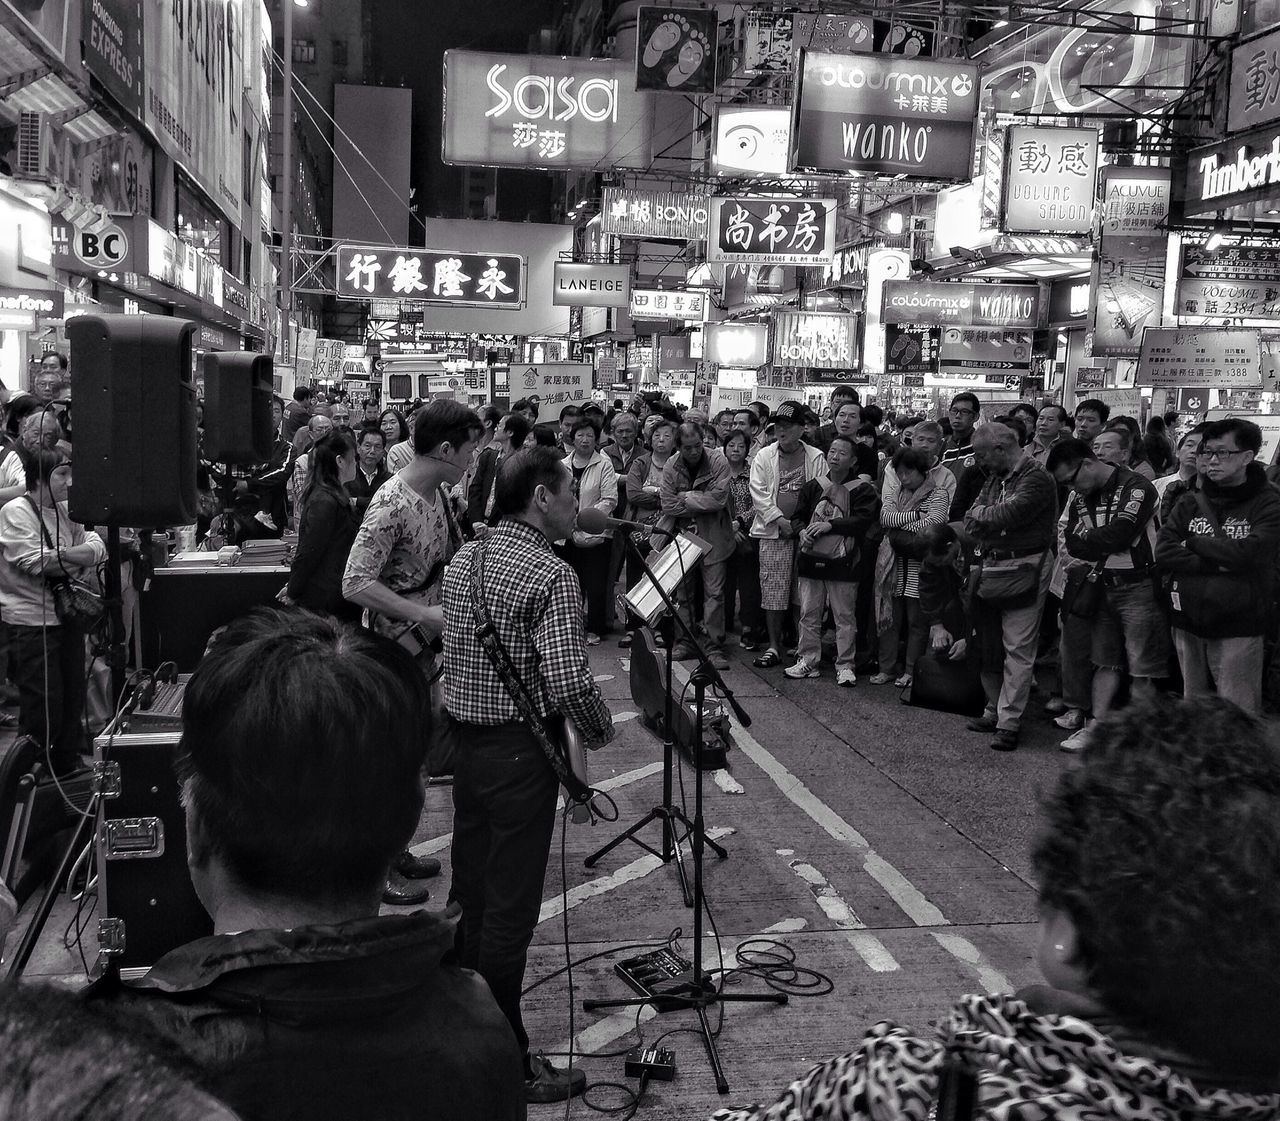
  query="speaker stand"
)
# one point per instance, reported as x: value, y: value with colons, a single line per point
x: 117, y: 651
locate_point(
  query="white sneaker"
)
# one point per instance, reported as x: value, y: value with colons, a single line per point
x: 1077, y: 741
x: 1070, y: 721
x: 846, y: 677
x: 802, y: 668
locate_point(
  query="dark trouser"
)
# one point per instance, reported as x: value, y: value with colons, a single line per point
x: 63, y: 694
x: 591, y: 563
x: 743, y: 586
x: 504, y: 813
x: 617, y: 554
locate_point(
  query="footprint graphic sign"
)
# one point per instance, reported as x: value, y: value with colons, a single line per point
x: 676, y: 50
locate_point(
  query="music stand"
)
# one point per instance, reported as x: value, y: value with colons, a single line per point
x: 673, y: 564
x: 697, y: 992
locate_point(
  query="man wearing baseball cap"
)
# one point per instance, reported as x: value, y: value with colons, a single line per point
x: 778, y: 471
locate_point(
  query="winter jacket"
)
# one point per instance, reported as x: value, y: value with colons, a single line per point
x: 1035, y: 1059
x: 369, y: 1018
x: 1114, y: 525
x: 482, y: 508
x: 599, y: 488
x: 1017, y: 514
x: 764, y: 485
x: 642, y: 505
x: 327, y: 529
x: 622, y: 462
x: 1223, y: 585
x: 700, y: 496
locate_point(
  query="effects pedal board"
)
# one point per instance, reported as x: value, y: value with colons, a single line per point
x: 655, y: 973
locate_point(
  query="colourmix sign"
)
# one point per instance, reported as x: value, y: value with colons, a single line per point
x: 511, y: 110
x: 885, y: 115
x: 961, y: 304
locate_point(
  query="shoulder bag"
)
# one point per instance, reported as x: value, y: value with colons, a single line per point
x: 74, y: 602
x: 1004, y: 583
x: 575, y: 786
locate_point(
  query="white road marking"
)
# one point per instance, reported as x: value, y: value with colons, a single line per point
x: 628, y: 873
x: 965, y: 951
x: 626, y: 664
x: 865, y: 944
x: 624, y: 716
x: 901, y: 890
x: 602, y: 677
x: 617, y: 1024
x: 785, y: 852
x: 727, y: 782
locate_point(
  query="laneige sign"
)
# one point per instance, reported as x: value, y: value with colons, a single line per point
x: 587, y: 285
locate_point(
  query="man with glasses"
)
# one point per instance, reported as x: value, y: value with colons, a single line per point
x: 957, y: 452
x: 1219, y: 549
x: 1110, y: 526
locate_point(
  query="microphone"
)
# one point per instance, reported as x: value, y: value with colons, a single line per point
x: 593, y: 522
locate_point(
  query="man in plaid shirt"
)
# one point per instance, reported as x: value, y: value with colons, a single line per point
x: 504, y: 790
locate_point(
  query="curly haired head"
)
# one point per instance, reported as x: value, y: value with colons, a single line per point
x: 1163, y: 848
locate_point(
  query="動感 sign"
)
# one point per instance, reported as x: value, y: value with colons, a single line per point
x: 540, y: 111
x: 379, y: 272
x: 655, y: 214
x: 1254, y: 97
x: 772, y: 231
x: 654, y: 303
x: 1050, y: 180
x: 1218, y: 357
x: 578, y: 284
x: 885, y: 115
x: 819, y: 340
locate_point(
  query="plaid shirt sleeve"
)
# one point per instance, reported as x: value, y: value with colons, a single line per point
x: 561, y: 644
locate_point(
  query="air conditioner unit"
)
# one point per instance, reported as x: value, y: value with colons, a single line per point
x: 33, y: 145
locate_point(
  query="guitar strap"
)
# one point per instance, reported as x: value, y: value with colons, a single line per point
x: 491, y: 643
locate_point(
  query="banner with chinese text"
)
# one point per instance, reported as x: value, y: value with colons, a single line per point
x: 1128, y: 281
x: 772, y: 231
x: 377, y: 272
x: 1050, y: 180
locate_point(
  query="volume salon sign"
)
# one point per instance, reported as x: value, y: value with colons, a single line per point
x: 589, y: 285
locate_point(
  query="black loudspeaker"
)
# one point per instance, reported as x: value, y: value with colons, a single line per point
x: 237, y: 407
x: 135, y: 402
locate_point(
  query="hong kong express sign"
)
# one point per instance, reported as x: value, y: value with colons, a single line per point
x: 885, y: 115
x: 379, y: 272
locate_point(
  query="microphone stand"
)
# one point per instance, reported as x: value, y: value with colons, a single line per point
x: 697, y: 990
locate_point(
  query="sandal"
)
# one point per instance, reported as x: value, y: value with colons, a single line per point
x: 8, y: 720
x: 768, y: 659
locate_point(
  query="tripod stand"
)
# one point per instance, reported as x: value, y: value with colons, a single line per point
x: 667, y: 811
x: 697, y: 991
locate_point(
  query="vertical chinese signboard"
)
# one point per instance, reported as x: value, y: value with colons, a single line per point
x: 1255, y: 83
x: 1129, y: 276
x: 376, y: 272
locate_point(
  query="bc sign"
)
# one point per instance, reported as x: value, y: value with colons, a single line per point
x: 105, y: 250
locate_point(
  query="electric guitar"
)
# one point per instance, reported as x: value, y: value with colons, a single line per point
x: 564, y: 734
x: 422, y: 647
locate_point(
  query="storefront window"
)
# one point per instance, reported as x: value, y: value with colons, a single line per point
x: 202, y: 227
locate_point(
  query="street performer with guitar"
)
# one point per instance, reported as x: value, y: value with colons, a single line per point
x: 396, y: 562
x: 515, y: 660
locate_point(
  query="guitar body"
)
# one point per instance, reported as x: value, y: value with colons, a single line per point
x: 569, y: 741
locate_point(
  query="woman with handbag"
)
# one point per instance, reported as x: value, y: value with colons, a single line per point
x: 906, y: 517
x: 47, y: 607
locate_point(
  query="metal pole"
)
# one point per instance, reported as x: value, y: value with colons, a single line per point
x: 286, y: 190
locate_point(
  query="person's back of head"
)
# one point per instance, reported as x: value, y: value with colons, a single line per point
x: 302, y: 394
x: 61, y: 1059
x: 1162, y: 852
x: 301, y: 756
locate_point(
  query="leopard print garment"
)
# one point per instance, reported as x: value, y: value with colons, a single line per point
x: 1031, y: 1068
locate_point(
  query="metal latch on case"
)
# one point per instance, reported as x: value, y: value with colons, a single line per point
x: 133, y: 838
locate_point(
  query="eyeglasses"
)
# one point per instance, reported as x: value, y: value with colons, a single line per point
x: 1220, y: 453
x: 962, y: 412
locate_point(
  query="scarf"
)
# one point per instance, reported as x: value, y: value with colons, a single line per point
x: 887, y: 559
